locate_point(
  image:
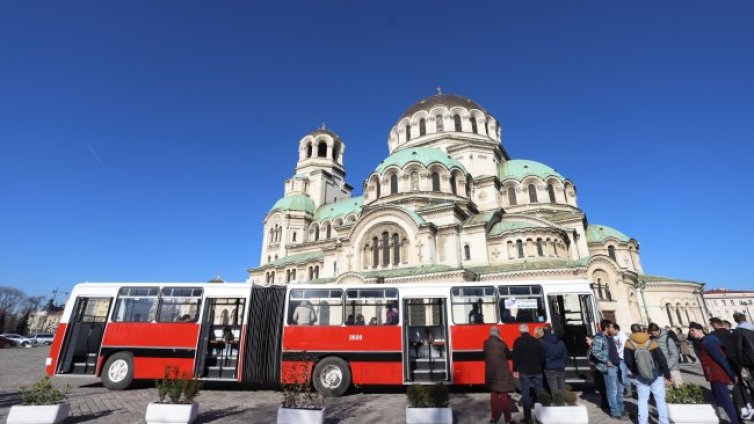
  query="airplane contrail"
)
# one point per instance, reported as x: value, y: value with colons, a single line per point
x: 96, y: 156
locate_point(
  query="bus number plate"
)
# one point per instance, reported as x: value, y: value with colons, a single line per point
x: 354, y: 337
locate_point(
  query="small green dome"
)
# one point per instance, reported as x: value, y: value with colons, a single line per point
x: 296, y: 202
x: 424, y: 155
x: 518, y: 169
x: 599, y: 233
x: 340, y: 208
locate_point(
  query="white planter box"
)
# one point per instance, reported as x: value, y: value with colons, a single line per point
x: 301, y: 416
x: 575, y: 414
x: 38, y: 414
x: 429, y: 415
x: 171, y: 413
x: 692, y: 414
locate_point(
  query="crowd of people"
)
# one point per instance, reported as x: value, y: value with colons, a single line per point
x: 651, y: 355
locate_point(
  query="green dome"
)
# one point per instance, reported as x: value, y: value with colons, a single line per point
x: 340, y: 208
x: 518, y: 169
x: 296, y: 202
x: 511, y: 224
x: 599, y: 233
x: 424, y: 155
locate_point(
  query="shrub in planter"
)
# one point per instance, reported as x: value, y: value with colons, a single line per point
x: 301, y: 402
x: 560, y: 408
x: 176, y: 394
x: 428, y: 404
x: 686, y: 405
x: 42, y: 404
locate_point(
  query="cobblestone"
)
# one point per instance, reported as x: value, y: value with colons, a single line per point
x: 222, y: 403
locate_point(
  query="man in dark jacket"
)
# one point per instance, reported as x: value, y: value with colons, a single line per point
x: 717, y: 369
x: 528, y: 365
x: 556, y: 356
x: 497, y: 375
x: 640, y: 340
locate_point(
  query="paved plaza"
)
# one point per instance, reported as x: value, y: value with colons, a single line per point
x: 92, y: 403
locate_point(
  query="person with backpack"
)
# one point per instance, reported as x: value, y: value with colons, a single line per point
x: 670, y: 350
x: 717, y: 369
x: 604, y: 354
x: 646, y: 361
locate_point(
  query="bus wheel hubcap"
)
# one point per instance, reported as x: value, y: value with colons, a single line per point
x: 331, y: 377
x: 118, y: 370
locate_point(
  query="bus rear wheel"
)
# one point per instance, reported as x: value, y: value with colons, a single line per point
x: 332, y: 376
x: 118, y: 372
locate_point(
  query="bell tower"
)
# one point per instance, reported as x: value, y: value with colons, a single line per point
x: 319, y: 171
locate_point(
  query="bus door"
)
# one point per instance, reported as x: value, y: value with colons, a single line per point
x: 572, y: 320
x: 425, y: 337
x: 217, y: 355
x: 83, y: 339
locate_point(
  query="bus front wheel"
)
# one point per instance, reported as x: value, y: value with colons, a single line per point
x: 332, y: 376
x: 118, y: 372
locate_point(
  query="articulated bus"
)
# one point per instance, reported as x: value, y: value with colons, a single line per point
x: 362, y: 334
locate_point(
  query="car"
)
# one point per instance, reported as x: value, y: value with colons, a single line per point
x: 43, y: 338
x: 19, y: 339
x: 6, y: 342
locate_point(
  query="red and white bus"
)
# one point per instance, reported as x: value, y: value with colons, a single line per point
x: 363, y: 334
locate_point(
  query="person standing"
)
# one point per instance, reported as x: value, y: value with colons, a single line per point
x: 497, y: 376
x: 304, y: 314
x: 528, y: 366
x: 646, y: 361
x: 605, y: 355
x: 686, y: 355
x: 620, y: 344
x: 556, y: 357
x: 717, y: 369
x: 743, y: 341
x: 670, y: 350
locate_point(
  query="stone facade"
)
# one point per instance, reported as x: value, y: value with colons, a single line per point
x: 722, y: 303
x: 450, y: 204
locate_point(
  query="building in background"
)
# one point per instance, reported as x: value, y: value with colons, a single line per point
x: 449, y: 203
x: 723, y: 303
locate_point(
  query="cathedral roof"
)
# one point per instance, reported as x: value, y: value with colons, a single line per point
x: 518, y: 169
x: 510, y: 225
x: 340, y: 208
x: 447, y: 100
x: 301, y: 258
x: 424, y: 155
x: 598, y: 233
x: 295, y: 202
x: 324, y: 131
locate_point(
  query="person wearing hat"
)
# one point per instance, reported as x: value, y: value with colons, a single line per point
x: 717, y: 369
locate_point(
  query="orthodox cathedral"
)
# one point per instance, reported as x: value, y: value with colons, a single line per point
x: 449, y: 204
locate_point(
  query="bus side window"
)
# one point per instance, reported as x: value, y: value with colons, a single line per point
x: 136, y: 304
x: 315, y: 307
x: 372, y: 306
x: 522, y: 304
x: 179, y: 304
x: 473, y: 305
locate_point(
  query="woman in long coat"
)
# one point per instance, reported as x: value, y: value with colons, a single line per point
x: 497, y: 375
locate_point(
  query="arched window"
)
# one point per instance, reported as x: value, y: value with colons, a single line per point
x: 670, y: 313
x: 467, y: 252
x: 280, y: 234
x: 335, y: 151
x: 686, y: 309
x: 600, y: 293
x: 611, y: 252
x: 393, y: 184
x: 311, y: 273
x: 377, y: 185
x: 532, y: 194
x: 555, y: 247
x: 329, y: 231
x: 540, y: 249
x: 267, y: 277
x: 678, y: 313
x: 435, y: 181
x: 287, y: 275
x: 269, y: 258
x: 396, y: 249
x: 453, y: 184
x: 511, y: 196
x: 293, y: 237
x: 272, y: 277
x: 473, y: 125
x: 414, y: 181
x: 309, y: 150
x: 375, y: 252
x: 438, y: 123
x: 607, y: 292
x: 322, y: 149
x: 422, y: 127
x: 551, y: 192
x: 520, y: 248
x: 408, y: 132
x: 293, y: 274
x: 316, y: 272
x: 457, y: 122
x: 385, y: 249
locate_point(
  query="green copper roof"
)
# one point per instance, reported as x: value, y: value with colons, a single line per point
x: 424, y: 155
x: 510, y: 225
x: 598, y: 233
x: 300, y: 177
x: 296, y: 202
x: 480, y: 218
x: 297, y: 259
x: 518, y: 169
x: 657, y: 279
x: 340, y: 208
x: 402, y: 272
x: 529, y: 266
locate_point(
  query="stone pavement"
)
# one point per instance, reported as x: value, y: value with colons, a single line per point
x: 223, y: 403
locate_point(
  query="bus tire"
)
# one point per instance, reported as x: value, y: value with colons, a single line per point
x: 118, y: 372
x: 332, y: 376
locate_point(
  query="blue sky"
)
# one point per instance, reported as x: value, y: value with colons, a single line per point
x: 145, y: 140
